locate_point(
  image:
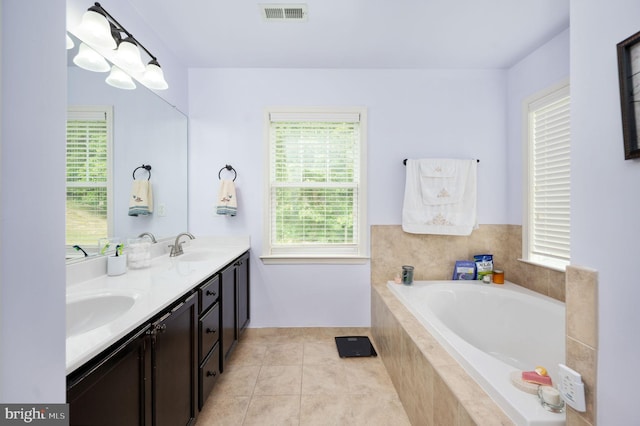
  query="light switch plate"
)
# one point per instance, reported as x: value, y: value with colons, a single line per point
x: 571, y: 387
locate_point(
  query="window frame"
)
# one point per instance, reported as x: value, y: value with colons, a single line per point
x: 535, y: 102
x: 76, y: 111
x: 322, y: 254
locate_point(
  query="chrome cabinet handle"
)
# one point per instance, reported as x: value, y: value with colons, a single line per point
x: 210, y: 293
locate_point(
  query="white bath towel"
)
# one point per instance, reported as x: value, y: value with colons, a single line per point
x: 141, y: 199
x: 227, y: 201
x: 440, y: 197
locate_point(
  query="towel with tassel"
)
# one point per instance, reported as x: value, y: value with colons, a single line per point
x: 141, y: 201
x: 440, y: 197
x: 227, y: 201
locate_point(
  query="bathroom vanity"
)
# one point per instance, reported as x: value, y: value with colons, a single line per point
x: 156, y: 361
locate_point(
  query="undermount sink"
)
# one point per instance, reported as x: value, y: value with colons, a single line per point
x: 196, y: 256
x: 90, y: 312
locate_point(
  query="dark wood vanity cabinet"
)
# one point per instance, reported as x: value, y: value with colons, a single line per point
x: 113, y: 391
x: 162, y: 373
x: 242, y: 279
x: 209, y: 337
x: 149, y: 379
x: 173, y: 361
x: 234, y: 281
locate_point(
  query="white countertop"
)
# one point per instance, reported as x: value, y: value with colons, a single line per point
x: 153, y: 288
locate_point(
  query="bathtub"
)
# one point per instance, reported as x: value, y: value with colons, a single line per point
x: 493, y: 330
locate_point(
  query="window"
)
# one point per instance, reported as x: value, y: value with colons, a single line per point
x: 546, y: 239
x: 88, y: 209
x: 315, y: 185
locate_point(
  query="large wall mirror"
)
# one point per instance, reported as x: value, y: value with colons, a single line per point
x: 145, y: 130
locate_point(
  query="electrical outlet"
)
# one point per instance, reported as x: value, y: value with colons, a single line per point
x: 162, y: 210
x: 571, y: 387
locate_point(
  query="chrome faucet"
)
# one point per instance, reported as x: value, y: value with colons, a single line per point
x: 176, y: 248
x: 148, y: 234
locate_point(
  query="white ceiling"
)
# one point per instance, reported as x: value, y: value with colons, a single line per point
x: 356, y: 33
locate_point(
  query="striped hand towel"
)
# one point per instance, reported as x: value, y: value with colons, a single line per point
x: 141, y: 198
x: 227, y: 201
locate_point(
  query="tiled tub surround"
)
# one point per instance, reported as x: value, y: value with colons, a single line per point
x: 582, y: 337
x: 433, y: 387
x: 434, y: 256
x: 493, y: 330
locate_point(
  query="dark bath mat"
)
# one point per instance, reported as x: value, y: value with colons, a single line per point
x: 355, y: 346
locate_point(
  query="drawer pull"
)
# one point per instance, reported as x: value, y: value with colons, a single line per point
x: 210, y: 293
x: 211, y: 374
x: 211, y: 330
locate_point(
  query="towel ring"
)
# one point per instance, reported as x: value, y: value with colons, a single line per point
x: 231, y: 169
x: 147, y: 167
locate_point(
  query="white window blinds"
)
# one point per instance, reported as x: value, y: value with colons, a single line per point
x: 315, y: 188
x: 550, y: 178
x: 88, y: 146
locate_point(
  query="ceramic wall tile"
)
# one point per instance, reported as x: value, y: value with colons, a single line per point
x: 582, y: 305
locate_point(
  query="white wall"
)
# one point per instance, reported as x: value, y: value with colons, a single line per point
x: 32, y: 325
x: 411, y: 114
x: 605, y: 201
x: 546, y: 66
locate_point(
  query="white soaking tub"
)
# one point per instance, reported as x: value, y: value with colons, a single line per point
x: 493, y: 330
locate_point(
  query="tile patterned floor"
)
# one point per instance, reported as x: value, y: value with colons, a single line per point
x: 294, y: 376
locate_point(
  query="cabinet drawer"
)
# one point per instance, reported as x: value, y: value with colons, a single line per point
x: 209, y: 293
x: 209, y: 372
x: 209, y: 330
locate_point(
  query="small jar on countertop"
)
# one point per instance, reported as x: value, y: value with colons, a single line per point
x: 498, y: 276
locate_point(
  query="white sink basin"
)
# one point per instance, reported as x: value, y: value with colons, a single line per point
x: 196, y: 256
x: 90, y: 312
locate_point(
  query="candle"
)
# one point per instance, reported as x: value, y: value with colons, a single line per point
x: 550, y: 395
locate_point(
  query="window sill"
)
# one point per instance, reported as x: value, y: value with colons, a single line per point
x: 554, y: 267
x: 310, y: 259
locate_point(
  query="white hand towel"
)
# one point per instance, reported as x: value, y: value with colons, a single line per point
x: 440, y: 197
x: 141, y: 200
x: 227, y: 201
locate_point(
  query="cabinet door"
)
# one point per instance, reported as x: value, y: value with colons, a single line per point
x: 174, y: 367
x: 242, y: 278
x: 228, y: 307
x: 112, y: 393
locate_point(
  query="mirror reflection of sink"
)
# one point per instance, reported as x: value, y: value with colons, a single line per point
x: 87, y: 313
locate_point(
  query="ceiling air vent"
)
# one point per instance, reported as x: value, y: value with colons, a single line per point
x: 284, y: 12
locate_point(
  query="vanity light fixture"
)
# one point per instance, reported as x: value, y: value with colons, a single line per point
x: 96, y: 28
x: 91, y: 60
x: 120, y: 79
x: 128, y: 55
x: 101, y: 30
x: 154, y: 77
x: 70, y: 43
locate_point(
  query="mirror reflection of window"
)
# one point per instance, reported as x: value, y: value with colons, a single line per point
x: 88, y: 182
